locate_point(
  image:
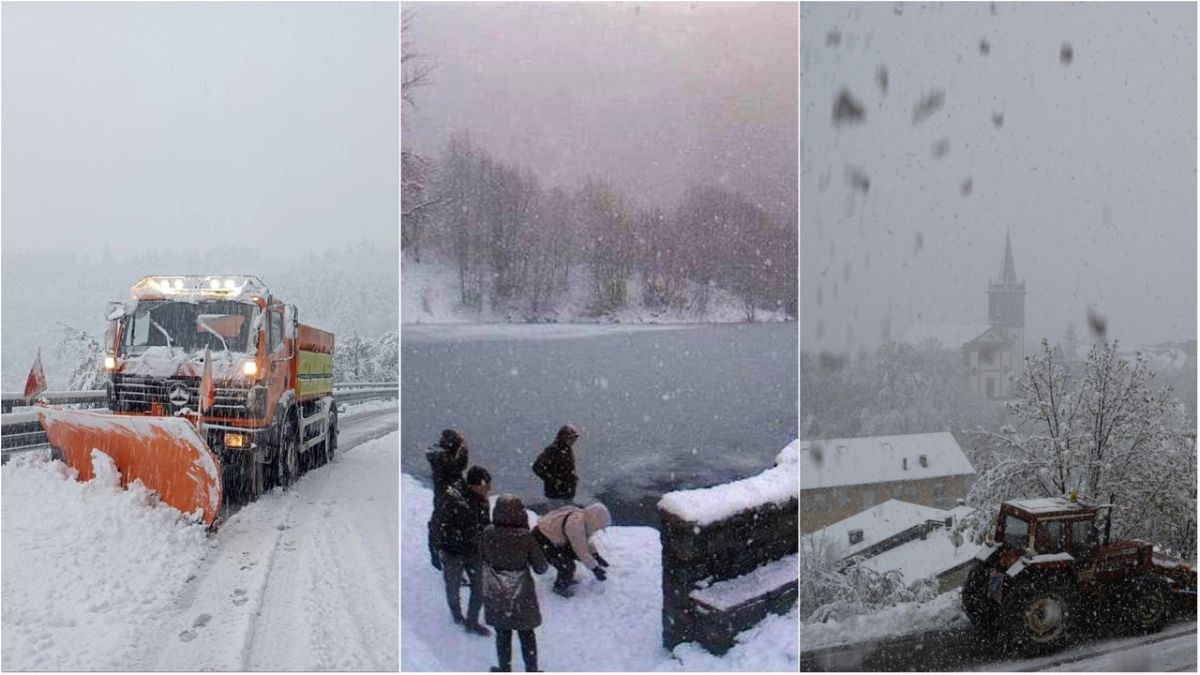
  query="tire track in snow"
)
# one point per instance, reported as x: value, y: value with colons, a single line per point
x: 246, y: 590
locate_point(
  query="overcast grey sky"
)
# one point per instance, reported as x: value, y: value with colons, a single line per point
x: 179, y: 126
x: 1093, y: 169
x: 650, y: 96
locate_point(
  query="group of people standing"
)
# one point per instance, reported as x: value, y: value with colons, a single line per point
x: 496, y: 551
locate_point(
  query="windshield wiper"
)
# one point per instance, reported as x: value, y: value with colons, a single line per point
x: 170, y: 342
x: 205, y: 326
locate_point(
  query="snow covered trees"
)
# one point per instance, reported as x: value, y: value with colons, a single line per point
x: 356, y: 359
x: 81, y: 353
x: 836, y: 589
x: 515, y: 243
x: 1103, y: 434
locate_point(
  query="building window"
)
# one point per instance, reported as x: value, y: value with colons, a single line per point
x: 820, y: 502
x: 844, y: 500
x: 939, y: 493
x: 991, y: 387
x: 868, y: 498
x: 806, y: 502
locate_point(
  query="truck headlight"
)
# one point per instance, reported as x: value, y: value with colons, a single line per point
x: 249, y: 368
x: 109, y: 363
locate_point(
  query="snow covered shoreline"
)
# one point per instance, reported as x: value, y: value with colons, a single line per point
x: 609, y: 626
x: 430, y: 295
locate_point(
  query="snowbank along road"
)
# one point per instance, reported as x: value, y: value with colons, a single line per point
x: 100, y: 578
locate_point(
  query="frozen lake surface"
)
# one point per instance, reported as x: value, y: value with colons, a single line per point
x: 659, y: 408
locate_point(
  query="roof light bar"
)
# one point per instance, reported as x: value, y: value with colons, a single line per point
x: 223, y: 286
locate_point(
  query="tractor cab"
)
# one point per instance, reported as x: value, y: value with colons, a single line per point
x: 1032, y: 527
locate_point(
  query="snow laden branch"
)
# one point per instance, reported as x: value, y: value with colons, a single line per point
x: 1103, y: 433
x: 833, y: 590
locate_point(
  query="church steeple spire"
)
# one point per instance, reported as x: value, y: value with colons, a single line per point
x: 1008, y: 274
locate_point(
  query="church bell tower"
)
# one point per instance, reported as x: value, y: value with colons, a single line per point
x: 1006, y: 305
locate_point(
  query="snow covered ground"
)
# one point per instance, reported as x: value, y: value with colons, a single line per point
x: 941, y: 613
x: 100, y: 578
x: 430, y: 294
x: 609, y: 626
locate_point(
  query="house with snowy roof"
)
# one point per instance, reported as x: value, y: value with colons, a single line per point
x: 844, y: 476
x: 915, y: 540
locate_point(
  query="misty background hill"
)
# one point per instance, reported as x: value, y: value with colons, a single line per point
x: 348, y: 290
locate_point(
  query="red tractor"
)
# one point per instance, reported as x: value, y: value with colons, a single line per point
x: 1046, y: 571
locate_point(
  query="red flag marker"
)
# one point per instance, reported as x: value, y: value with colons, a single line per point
x: 35, y: 384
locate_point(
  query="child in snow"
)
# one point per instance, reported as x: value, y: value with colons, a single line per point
x: 509, y: 595
x: 565, y: 536
x: 461, y: 520
x: 556, y: 467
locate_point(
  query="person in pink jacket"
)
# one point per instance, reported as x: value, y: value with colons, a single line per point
x: 565, y: 536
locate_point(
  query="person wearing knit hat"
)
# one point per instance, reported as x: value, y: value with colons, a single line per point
x: 447, y: 461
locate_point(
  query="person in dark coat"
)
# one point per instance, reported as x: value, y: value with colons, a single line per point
x: 510, y: 597
x: 556, y: 467
x: 447, y: 461
x: 462, y: 519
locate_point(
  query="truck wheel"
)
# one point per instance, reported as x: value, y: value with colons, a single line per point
x: 1041, y: 616
x: 329, y: 447
x: 287, y: 456
x: 1147, y: 605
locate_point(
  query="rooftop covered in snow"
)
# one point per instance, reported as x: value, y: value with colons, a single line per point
x: 878, y: 523
x: 880, y: 459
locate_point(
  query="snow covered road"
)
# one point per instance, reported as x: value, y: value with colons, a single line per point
x: 95, y: 578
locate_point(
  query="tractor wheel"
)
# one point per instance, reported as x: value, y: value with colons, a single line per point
x: 980, y: 609
x: 1041, y: 615
x: 1147, y: 605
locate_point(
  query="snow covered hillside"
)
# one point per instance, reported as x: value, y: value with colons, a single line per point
x: 430, y: 294
x: 608, y: 626
x: 100, y: 578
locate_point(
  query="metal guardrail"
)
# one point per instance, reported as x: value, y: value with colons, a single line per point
x: 22, y: 431
x: 12, y: 399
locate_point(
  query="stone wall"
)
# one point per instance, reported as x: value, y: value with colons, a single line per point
x: 721, y: 550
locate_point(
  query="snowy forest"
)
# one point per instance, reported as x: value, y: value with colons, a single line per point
x: 56, y: 302
x: 515, y: 242
x: 526, y: 250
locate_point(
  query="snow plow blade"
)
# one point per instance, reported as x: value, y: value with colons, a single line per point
x: 166, y: 453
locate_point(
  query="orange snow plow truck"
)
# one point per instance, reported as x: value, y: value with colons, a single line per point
x: 216, y: 394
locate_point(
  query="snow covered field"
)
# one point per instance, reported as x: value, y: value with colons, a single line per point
x: 609, y: 626
x: 943, y: 612
x: 99, y: 578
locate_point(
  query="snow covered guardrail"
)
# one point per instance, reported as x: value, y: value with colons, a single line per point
x: 11, y: 399
x: 21, y: 431
x: 730, y: 555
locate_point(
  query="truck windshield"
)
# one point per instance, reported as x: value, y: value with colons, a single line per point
x: 191, y: 326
